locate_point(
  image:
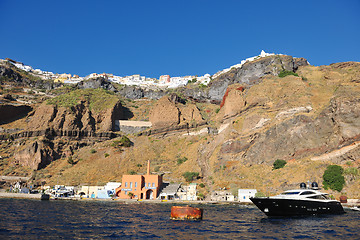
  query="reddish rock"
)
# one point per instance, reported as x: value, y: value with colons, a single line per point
x: 233, y: 101
x: 76, y: 118
x: 35, y: 155
x: 164, y: 114
x: 169, y: 111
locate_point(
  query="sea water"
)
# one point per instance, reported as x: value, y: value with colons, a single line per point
x: 35, y: 219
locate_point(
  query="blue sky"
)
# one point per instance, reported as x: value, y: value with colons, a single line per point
x: 178, y: 38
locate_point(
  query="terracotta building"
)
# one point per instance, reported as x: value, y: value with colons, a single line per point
x: 140, y: 186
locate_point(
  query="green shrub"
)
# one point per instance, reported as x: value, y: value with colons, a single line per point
x: 181, y: 160
x: 202, y: 86
x: 132, y: 172
x: 353, y: 171
x: 201, y: 196
x: 279, y: 163
x: 70, y: 160
x: 285, y: 73
x: 194, y: 80
x: 201, y: 185
x: 333, y: 178
x: 92, y: 151
x: 217, y: 110
x: 125, y: 141
x: 189, y: 176
x: 106, y: 155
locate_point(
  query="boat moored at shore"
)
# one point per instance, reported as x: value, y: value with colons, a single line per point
x: 301, y: 201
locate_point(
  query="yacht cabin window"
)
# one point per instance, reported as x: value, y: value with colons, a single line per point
x: 307, y: 193
x: 290, y: 193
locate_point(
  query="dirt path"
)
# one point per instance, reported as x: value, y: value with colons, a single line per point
x: 205, y: 151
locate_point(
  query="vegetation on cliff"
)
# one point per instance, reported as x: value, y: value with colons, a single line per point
x: 98, y: 99
x: 333, y: 178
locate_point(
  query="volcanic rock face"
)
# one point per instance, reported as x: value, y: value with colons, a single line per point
x: 164, y: 114
x: 10, y: 74
x: 169, y: 112
x: 95, y: 83
x: 302, y: 136
x: 35, y: 155
x: 251, y: 72
x: 233, y: 101
x: 9, y: 112
x: 76, y: 118
x: 135, y: 92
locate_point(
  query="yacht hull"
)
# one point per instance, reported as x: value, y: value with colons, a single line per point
x: 295, y: 207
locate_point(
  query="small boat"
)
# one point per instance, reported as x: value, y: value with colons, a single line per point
x: 303, y: 201
x: 45, y: 196
x: 186, y: 213
x: 355, y: 208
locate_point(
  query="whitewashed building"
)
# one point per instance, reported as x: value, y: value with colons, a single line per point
x: 244, y: 195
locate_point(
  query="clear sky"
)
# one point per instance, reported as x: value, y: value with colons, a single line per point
x: 175, y: 37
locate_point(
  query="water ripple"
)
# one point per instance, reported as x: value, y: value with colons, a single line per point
x: 32, y: 219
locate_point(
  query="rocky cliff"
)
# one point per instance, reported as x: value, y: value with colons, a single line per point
x: 11, y: 112
x: 76, y: 118
x: 13, y: 76
x: 94, y: 83
x: 310, y: 120
x: 35, y: 155
x: 302, y: 136
x: 170, y: 112
x: 251, y: 73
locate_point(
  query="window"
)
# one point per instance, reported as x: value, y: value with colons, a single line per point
x: 290, y: 193
x: 125, y: 184
x: 153, y: 184
x: 135, y: 184
x: 322, y: 197
x: 130, y: 184
x: 307, y: 193
x: 149, y: 184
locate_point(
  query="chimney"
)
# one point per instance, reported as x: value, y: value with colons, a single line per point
x: 148, y: 168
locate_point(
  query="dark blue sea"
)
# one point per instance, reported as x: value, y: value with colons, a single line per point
x: 35, y: 219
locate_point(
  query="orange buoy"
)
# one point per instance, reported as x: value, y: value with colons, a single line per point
x: 186, y: 213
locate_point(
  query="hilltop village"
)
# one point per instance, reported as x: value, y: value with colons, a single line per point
x: 259, y: 127
x: 164, y: 81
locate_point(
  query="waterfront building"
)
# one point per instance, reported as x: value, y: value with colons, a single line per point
x: 220, y: 196
x: 169, y: 191
x: 244, y: 195
x: 188, y: 193
x: 90, y: 191
x: 140, y: 186
x: 108, y: 191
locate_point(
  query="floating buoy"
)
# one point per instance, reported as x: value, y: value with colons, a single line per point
x: 186, y: 213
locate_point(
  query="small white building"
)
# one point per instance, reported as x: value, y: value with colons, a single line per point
x: 112, y: 186
x: 244, y: 195
x: 188, y: 193
x: 221, y: 196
